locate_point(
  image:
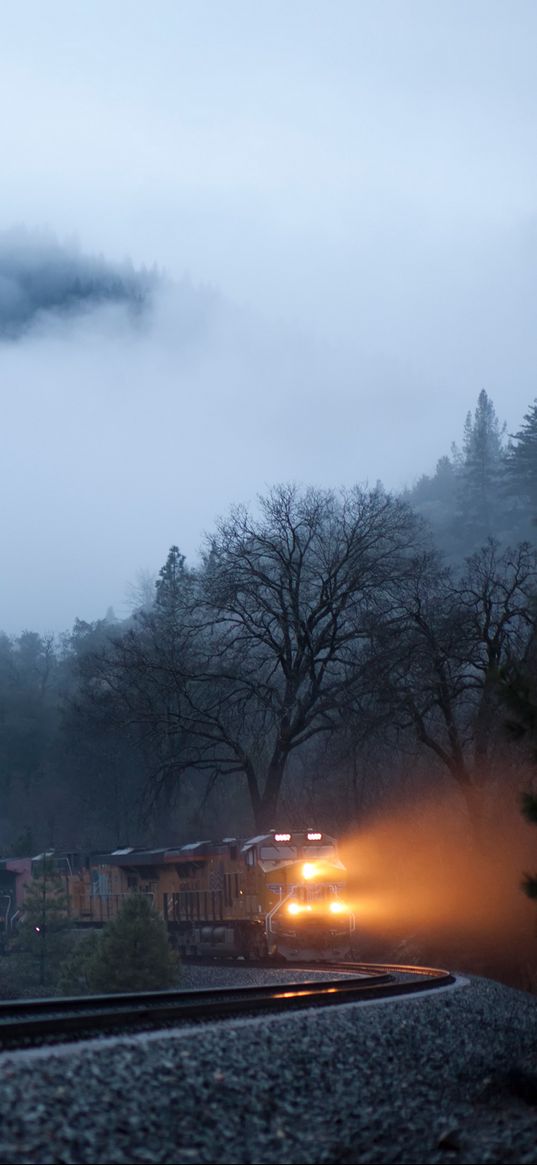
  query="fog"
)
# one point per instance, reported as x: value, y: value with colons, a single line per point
x: 446, y: 895
x: 340, y: 201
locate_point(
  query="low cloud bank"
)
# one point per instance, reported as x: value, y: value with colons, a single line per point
x: 41, y: 277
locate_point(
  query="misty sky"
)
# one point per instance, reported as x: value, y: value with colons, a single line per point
x: 358, y: 184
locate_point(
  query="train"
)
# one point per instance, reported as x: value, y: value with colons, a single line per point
x: 276, y: 894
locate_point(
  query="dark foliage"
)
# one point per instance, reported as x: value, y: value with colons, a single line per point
x: 132, y: 953
x: 486, y: 488
x: 40, y: 276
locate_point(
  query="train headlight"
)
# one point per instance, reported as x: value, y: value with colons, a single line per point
x: 294, y: 908
x: 309, y: 870
x: 338, y: 908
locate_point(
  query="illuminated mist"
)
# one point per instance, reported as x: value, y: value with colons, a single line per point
x: 424, y: 889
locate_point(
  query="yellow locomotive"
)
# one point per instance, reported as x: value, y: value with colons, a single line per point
x: 274, y: 894
x: 278, y: 893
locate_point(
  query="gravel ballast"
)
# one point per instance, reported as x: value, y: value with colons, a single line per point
x: 447, y: 1077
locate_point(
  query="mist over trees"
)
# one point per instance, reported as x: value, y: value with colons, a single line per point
x: 332, y: 651
x: 40, y: 276
x: 486, y: 488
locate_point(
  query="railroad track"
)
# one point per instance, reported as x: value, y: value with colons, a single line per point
x: 35, y: 1021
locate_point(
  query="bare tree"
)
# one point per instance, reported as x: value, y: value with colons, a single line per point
x: 284, y: 612
x: 243, y: 663
x: 438, y: 662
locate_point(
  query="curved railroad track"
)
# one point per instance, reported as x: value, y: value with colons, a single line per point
x: 28, y: 1022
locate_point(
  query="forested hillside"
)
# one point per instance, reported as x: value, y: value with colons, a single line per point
x: 42, y: 278
x: 485, y: 488
x: 333, y: 651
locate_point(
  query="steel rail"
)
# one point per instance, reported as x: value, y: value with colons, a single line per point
x: 42, y: 1020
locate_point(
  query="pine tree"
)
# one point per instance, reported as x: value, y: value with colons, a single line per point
x: 133, y: 953
x: 521, y: 475
x: 75, y: 975
x: 171, y: 583
x: 444, y: 479
x: 166, y: 643
x: 480, y: 470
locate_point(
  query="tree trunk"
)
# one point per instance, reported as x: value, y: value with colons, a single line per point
x: 266, y: 813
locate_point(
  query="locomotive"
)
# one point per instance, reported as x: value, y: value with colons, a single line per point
x: 280, y: 893
x: 277, y: 893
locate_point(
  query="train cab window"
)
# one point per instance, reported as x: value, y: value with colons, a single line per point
x: 278, y: 853
x: 251, y: 856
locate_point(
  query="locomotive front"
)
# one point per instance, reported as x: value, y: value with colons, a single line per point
x: 307, y: 915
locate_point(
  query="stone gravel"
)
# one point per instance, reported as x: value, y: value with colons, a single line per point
x: 447, y: 1077
x: 247, y: 975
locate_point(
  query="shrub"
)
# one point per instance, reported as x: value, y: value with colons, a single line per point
x: 132, y: 953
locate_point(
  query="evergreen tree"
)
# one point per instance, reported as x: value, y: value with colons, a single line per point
x: 444, y: 479
x: 464, y: 501
x: 480, y: 471
x: 133, y: 952
x: 435, y: 499
x: 75, y: 976
x: 170, y: 584
x: 521, y: 466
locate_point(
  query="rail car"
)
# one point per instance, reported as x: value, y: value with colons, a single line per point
x: 280, y: 893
